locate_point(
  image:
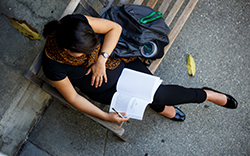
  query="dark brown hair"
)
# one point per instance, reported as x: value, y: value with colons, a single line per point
x: 73, y: 33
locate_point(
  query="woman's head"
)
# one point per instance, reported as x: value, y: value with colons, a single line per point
x: 74, y: 34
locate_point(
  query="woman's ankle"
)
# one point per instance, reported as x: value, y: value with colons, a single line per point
x: 169, y: 112
x: 217, y: 98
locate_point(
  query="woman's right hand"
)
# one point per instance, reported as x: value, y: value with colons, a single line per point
x: 112, y: 116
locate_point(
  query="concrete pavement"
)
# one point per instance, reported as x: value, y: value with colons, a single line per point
x: 216, y: 35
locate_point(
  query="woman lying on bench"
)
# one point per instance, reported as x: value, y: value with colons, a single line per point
x: 75, y: 57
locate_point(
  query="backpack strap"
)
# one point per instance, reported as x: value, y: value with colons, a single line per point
x: 148, y: 18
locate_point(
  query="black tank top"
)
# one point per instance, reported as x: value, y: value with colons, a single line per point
x: 56, y: 71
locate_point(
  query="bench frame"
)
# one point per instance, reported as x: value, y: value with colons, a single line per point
x: 32, y: 73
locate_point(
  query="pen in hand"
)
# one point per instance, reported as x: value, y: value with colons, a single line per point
x: 118, y: 113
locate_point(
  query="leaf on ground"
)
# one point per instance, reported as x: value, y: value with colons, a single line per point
x: 23, y: 27
x: 191, y: 66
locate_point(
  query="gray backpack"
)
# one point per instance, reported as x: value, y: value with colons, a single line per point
x: 144, y: 34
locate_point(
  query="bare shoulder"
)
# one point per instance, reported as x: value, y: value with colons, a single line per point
x: 102, y: 26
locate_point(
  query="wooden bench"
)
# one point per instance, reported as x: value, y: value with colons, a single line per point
x: 172, y: 10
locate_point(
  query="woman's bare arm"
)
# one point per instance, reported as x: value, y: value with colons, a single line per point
x: 69, y: 93
x: 112, y: 33
x: 111, y: 30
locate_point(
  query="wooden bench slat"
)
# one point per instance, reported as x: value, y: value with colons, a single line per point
x: 104, y: 2
x: 34, y: 68
x: 152, y: 3
x: 33, y: 78
x: 138, y: 2
x: 74, y: 3
x: 173, y: 11
x: 70, y: 8
x: 174, y: 32
x: 122, y: 2
x: 106, y: 7
x: 164, y: 6
x: 89, y: 8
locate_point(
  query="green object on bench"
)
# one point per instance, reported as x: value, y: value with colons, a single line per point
x: 148, y: 18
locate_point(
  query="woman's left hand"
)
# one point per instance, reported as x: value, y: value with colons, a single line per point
x: 98, y: 72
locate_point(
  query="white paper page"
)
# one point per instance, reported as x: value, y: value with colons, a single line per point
x: 136, y: 108
x: 133, y: 107
x: 138, y: 84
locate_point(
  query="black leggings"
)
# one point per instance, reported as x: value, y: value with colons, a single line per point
x: 171, y: 95
x: 166, y: 95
